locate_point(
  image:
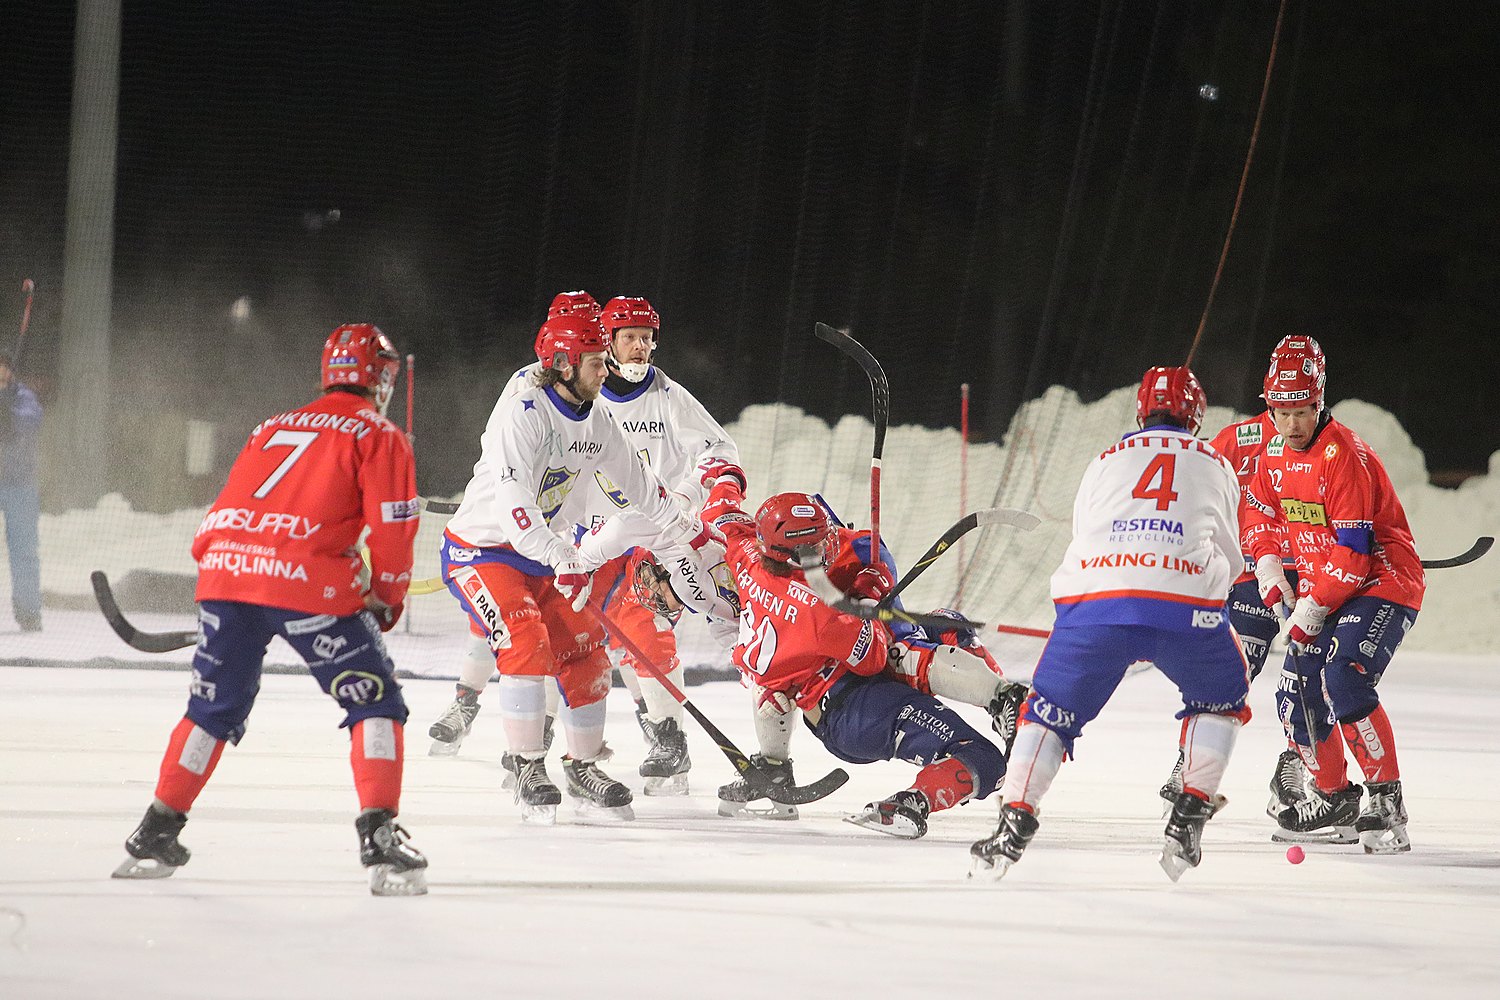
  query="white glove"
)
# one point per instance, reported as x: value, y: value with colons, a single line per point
x: 774, y: 704
x: 573, y: 579
x: 1306, y: 621
x: 1275, y: 590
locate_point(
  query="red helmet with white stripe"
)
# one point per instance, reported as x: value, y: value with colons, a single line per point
x: 630, y: 312
x: 788, y: 521
x: 568, y: 303
x: 1297, y: 374
x: 1174, y: 392
x: 358, y: 354
x: 568, y: 338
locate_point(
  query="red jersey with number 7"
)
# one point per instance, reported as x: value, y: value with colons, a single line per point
x: 1346, y: 528
x: 285, y: 528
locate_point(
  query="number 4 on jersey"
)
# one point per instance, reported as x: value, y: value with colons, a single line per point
x: 1156, y: 482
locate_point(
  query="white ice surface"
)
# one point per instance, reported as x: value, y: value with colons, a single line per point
x: 683, y: 903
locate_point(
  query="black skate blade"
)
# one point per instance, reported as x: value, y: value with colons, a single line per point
x: 775, y: 811
x: 142, y: 868
x: 675, y: 784
x: 1338, y: 835
x: 585, y: 811
x: 898, y: 825
x: 388, y: 880
x: 441, y: 749
x: 983, y: 870
x: 1171, y: 860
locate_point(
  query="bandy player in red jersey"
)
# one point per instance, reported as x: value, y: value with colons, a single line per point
x: 799, y: 651
x: 1360, y: 586
x: 277, y: 555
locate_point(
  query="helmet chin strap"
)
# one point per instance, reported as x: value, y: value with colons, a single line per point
x: 630, y: 371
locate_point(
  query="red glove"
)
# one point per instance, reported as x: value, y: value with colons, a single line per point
x: 710, y: 469
x: 386, y: 616
x: 872, y: 583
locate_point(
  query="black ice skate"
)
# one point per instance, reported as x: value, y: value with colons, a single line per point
x: 1321, y: 818
x: 992, y: 857
x: 667, y: 762
x: 1382, y: 825
x: 648, y: 728
x: 1288, y: 783
x: 597, y: 795
x: 1005, y: 711
x: 453, y: 725
x: 1173, y: 786
x: 901, y: 815
x: 508, y: 759
x: 153, y: 847
x: 396, y: 868
x: 535, y: 791
x: 735, y: 797
x: 1183, y: 847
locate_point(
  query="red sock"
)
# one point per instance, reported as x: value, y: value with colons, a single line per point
x: 1374, y: 745
x: 190, y: 759
x: 376, y: 753
x: 1328, y: 769
x: 946, y: 783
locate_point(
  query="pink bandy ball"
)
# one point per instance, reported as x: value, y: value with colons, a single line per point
x: 1295, y: 854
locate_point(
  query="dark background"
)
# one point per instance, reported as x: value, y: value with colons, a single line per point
x: 1012, y: 194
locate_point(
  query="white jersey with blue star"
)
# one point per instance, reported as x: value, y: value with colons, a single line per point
x: 545, y: 467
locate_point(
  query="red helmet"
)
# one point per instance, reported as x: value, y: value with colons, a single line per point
x: 568, y: 338
x: 787, y: 522
x: 1296, y: 376
x: 1173, y: 391
x: 359, y: 354
x: 567, y: 303
x: 621, y: 311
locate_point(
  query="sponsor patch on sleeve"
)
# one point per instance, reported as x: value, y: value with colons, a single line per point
x: 396, y: 511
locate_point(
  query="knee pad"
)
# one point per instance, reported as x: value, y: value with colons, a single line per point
x: 1351, y: 690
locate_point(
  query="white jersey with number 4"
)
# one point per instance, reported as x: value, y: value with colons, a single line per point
x: 544, y: 464
x: 1155, y: 536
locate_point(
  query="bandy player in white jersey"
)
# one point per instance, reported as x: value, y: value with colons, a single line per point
x: 683, y: 444
x: 550, y: 457
x: 1155, y: 547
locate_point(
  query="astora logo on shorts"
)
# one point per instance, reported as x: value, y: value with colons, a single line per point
x: 358, y: 687
x: 328, y: 646
x: 484, y: 607
x: 244, y: 565
x: 1207, y: 619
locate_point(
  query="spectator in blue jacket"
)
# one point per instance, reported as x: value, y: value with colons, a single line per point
x: 20, y: 500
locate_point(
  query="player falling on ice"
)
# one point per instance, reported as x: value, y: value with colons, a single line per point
x: 800, y: 652
x: 1145, y: 577
x: 550, y: 456
x: 682, y: 444
x: 1360, y: 584
x: 276, y: 556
